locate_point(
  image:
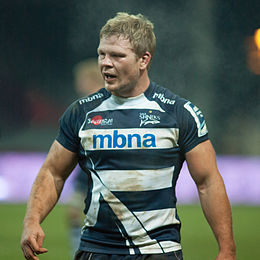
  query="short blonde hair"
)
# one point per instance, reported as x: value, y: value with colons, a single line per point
x: 136, y: 28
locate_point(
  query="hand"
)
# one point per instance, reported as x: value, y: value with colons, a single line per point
x: 31, y: 242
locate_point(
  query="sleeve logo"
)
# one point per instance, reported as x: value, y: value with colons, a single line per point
x: 163, y: 99
x: 198, y: 117
x: 90, y: 98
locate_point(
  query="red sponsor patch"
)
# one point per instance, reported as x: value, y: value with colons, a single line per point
x: 96, y: 120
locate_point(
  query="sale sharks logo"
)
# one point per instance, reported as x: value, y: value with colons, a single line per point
x: 149, y: 118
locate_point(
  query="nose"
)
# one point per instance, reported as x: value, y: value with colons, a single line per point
x: 105, y: 61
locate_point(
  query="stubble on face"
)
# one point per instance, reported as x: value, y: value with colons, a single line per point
x: 119, y: 66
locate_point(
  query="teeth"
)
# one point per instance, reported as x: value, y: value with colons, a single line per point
x: 109, y: 76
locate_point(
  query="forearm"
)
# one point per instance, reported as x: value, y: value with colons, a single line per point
x: 44, y: 195
x: 217, y: 210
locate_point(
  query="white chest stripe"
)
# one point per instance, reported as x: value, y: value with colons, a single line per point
x: 129, y: 138
x: 137, y: 180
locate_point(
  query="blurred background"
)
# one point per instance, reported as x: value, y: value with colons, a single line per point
x: 207, y: 51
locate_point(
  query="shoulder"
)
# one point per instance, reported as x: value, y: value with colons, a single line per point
x: 85, y: 104
x: 77, y: 111
x: 181, y: 108
x: 94, y: 99
x: 168, y: 100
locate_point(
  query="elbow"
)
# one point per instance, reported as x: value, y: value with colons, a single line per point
x: 202, y: 188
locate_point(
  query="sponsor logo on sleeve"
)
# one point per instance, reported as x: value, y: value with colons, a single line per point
x: 90, y: 98
x: 198, y: 117
x: 163, y: 99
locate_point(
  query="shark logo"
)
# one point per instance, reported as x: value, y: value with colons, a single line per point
x: 148, y: 118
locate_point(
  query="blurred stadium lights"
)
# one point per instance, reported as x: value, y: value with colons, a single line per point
x: 253, y: 52
x: 16, y: 181
x: 257, y: 38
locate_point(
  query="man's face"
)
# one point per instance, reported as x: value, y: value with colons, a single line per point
x: 119, y: 66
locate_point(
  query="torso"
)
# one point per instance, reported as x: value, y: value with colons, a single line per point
x: 132, y: 151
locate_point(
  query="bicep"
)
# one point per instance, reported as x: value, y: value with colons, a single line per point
x: 201, y: 161
x: 60, y: 161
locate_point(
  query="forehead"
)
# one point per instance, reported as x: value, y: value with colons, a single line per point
x: 114, y: 43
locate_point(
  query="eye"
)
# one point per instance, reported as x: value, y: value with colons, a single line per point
x: 101, y: 55
x: 118, y: 55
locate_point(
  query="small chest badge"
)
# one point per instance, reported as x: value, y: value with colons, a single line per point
x: 149, y: 118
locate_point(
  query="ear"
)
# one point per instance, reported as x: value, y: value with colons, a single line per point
x: 145, y: 60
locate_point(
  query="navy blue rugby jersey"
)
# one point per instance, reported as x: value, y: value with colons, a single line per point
x: 132, y: 150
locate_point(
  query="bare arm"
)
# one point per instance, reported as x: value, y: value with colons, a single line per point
x: 214, y: 201
x: 44, y: 195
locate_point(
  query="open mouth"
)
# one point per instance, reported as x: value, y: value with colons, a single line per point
x: 109, y: 76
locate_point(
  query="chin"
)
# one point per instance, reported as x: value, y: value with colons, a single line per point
x: 110, y: 87
x: 117, y: 90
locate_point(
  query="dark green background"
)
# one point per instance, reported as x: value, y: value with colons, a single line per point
x: 201, y: 55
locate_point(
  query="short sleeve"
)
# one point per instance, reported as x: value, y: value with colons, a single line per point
x: 68, y: 128
x: 192, y: 126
